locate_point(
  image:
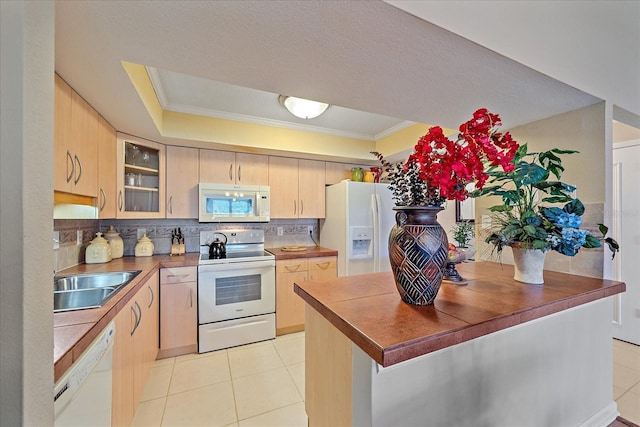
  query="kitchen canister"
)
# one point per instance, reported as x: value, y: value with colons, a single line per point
x: 98, y: 251
x: 144, y: 247
x: 117, y: 245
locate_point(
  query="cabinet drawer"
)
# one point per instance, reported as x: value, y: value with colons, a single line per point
x: 322, y: 263
x: 178, y: 275
x: 292, y: 265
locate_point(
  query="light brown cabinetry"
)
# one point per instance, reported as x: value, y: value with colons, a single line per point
x: 182, y: 182
x: 297, y: 187
x: 140, y: 178
x: 289, y: 306
x: 178, y: 311
x: 226, y: 167
x: 135, y: 348
x: 75, y: 142
x: 107, y: 156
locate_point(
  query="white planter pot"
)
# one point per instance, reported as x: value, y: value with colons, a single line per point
x: 529, y: 265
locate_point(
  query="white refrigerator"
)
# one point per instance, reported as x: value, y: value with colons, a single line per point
x: 359, y: 218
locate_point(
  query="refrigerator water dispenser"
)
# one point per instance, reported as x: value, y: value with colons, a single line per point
x: 361, y: 242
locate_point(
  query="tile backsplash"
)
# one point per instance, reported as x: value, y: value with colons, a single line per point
x: 69, y: 253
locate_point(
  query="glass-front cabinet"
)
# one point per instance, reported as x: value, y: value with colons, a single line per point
x: 141, y: 178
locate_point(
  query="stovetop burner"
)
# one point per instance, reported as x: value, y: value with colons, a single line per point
x: 242, y: 246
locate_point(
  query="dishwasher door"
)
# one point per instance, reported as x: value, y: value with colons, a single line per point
x: 82, y: 396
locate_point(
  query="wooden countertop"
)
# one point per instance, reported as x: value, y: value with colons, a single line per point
x: 74, y: 330
x: 309, y: 252
x: 368, y: 309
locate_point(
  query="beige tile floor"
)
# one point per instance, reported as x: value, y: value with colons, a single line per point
x: 262, y: 385
x: 626, y: 380
x: 259, y: 384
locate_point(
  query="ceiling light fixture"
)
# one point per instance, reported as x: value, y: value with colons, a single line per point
x: 303, y: 108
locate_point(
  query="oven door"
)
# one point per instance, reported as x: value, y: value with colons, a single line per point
x: 234, y: 290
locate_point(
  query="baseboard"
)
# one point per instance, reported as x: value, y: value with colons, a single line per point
x: 603, y: 417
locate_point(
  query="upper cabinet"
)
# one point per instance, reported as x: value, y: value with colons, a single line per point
x: 182, y: 182
x: 226, y: 167
x: 297, y: 188
x: 75, y: 143
x: 140, y: 178
x: 107, y: 192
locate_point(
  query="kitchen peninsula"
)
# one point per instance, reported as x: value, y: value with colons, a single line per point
x: 494, y: 352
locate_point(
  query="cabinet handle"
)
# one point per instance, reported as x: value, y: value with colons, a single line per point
x: 239, y: 173
x: 231, y: 172
x: 120, y: 200
x: 73, y: 167
x: 324, y: 265
x: 79, y: 169
x: 190, y: 297
x: 170, y: 204
x: 135, y: 323
x: 152, y: 297
x: 139, y: 318
x: 301, y: 207
x: 290, y: 267
x: 295, y: 207
x: 177, y: 275
x: 104, y: 199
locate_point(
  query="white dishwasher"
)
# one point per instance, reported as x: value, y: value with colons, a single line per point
x: 82, y: 396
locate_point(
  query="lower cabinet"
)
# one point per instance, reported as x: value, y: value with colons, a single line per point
x: 178, y: 311
x: 134, y: 351
x: 289, y: 306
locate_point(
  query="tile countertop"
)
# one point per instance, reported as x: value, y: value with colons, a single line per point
x: 368, y: 309
x: 309, y: 252
x: 73, y: 331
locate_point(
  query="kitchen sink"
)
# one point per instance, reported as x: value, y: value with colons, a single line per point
x: 81, y: 291
x: 93, y: 280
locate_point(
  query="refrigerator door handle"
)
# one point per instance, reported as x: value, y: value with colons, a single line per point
x: 375, y: 199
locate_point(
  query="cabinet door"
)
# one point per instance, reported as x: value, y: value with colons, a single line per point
x: 145, y: 336
x: 289, y: 306
x: 63, y: 156
x: 322, y: 268
x: 283, y: 180
x: 107, y: 154
x: 311, y: 183
x: 182, y: 182
x: 141, y: 178
x: 252, y: 169
x: 84, y: 134
x: 217, y: 167
x: 123, y: 404
x: 178, y: 315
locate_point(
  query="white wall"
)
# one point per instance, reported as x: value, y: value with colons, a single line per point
x: 26, y: 224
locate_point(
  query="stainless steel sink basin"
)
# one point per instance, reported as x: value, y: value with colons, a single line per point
x: 80, y: 291
x: 81, y: 298
x: 94, y: 280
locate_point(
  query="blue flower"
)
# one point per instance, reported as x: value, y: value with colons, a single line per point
x: 574, y: 237
x: 568, y: 220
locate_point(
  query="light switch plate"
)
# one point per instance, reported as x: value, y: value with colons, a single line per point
x: 280, y: 231
x: 78, y: 237
x: 56, y: 240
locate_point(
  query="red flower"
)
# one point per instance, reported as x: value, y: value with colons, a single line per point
x: 448, y: 166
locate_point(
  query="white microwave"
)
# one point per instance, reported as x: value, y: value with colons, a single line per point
x: 233, y: 203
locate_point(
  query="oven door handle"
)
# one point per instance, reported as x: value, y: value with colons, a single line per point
x: 242, y: 265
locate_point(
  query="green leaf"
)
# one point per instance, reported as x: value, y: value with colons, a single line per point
x: 603, y: 229
x: 529, y: 173
x: 530, y: 230
x: 500, y: 208
x: 591, y: 242
x: 575, y: 207
x: 540, y: 244
x: 561, y: 151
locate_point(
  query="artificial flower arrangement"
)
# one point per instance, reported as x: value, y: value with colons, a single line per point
x: 527, y: 217
x: 441, y: 169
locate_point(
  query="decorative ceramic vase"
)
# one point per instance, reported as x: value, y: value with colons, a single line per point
x: 418, y: 253
x: 529, y: 265
x: 117, y: 245
x: 357, y: 174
